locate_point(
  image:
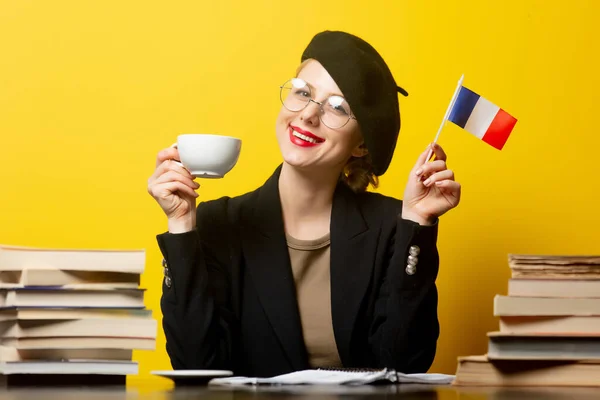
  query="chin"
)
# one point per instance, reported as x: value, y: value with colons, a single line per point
x: 296, y: 159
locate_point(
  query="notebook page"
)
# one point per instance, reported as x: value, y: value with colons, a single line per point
x: 315, y: 377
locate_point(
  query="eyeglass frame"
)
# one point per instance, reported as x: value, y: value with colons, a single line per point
x: 319, y: 103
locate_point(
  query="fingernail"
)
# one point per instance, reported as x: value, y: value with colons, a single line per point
x: 427, y: 182
x: 419, y: 171
x: 439, y: 183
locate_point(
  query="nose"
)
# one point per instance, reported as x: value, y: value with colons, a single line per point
x: 312, y: 113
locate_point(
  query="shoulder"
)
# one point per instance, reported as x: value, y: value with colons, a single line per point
x: 222, y: 214
x: 377, y: 205
x: 222, y: 209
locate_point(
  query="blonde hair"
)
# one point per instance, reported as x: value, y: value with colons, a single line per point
x: 358, y: 173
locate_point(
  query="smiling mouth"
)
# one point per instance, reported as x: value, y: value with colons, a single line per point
x: 305, y: 136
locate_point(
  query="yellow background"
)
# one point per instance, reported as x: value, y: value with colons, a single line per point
x: 90, y: 91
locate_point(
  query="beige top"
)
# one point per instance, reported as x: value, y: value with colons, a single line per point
x: 310, y: 266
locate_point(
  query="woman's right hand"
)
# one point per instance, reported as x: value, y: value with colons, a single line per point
x: 173, y: 187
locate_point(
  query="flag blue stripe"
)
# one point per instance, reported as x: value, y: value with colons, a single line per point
x: 463, y: 107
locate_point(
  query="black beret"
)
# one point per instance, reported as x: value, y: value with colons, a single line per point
x: 367, y: 84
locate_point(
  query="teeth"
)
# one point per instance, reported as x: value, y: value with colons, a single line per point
x: 304, y: 137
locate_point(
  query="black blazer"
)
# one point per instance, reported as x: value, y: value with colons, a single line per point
x: 231, y: 303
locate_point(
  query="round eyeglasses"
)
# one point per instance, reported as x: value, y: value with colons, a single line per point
x: 334, y: 111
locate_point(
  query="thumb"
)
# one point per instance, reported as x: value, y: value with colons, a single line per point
x: 424, y: 156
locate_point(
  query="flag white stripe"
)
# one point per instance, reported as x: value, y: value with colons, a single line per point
x: 481, y: 117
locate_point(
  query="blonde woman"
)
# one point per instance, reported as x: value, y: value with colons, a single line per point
x: 310, y: 269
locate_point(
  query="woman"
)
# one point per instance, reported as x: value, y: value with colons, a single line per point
x: 310, y: 270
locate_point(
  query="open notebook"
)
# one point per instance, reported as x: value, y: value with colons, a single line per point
x: 337, y: 377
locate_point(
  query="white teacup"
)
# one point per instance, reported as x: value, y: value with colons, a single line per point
x: 208, y: 156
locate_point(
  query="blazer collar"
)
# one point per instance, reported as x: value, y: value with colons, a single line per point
x: 353, y: 249
x: 268, y: 263
x: 346, y: 218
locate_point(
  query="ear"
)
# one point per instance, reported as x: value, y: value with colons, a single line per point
x: 360, y: 151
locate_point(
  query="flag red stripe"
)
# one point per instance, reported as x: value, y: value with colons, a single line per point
x: 499, y: 130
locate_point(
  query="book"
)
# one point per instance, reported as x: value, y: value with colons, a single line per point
x: 480, y: 371
x: 62, y: 381
x: 564, y: 325
x: 52, y: 297
x: 552, y: 259
x: 49, y: 313
x: 68, y: 279
x: 79, y: 367
x: 329, y: 376
x: 519, y: 346
x: 588, y: 288
x: 13, y: 354
x: 17, y: 258
x: 70, y: 342
x: 554, y: 266
x: 545, y: 306
x: 549, y: 274
x: 118, y: 327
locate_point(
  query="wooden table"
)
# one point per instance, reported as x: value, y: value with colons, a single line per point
x: 406, y: 392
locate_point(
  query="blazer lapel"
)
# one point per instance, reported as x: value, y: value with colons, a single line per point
x: 352, y: 258
x: 268, y: 263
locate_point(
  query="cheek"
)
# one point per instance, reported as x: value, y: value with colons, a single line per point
x: 354, y: 138
x: 281, y: 125
x: 283, y: 119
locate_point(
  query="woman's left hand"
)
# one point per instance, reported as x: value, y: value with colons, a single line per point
x: 431, y: 189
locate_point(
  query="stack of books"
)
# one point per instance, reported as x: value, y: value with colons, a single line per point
x: 549, y: 333
x: 71, y: 312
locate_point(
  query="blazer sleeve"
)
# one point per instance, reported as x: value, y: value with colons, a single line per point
x: 405, y: 327
x: 197, y: 319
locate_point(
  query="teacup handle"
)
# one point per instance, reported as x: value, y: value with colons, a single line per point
x: 174, y: 145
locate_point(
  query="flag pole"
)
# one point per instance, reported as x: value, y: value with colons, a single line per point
x: 448, y: 110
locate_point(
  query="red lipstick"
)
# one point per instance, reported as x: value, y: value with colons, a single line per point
x: 303, y: 138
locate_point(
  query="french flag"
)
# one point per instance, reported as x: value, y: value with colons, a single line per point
x: 480, y: 117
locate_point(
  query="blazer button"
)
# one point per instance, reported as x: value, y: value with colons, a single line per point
x: 414, y: 250
x: 166, y: 274
x: 411, y: 269
x: 412, y: 260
